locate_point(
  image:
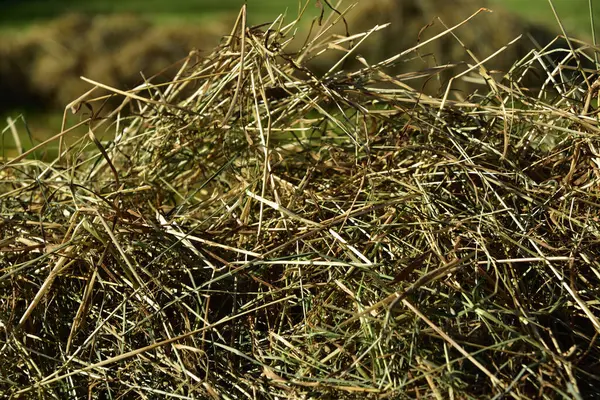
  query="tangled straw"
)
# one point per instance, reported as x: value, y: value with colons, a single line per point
x: 252, y: 230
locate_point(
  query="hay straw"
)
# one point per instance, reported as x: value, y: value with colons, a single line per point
x: 252, y: 230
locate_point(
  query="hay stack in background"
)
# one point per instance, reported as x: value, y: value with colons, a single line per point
x: 410, y: 21
x: 42, y: 67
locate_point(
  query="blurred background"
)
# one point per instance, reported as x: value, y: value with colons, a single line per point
x: 46, y: 45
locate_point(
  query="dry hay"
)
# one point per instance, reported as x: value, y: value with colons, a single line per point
x: 275, y: 237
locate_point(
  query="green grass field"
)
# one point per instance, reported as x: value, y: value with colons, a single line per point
x: 574, y: 13
x: 25, y: 13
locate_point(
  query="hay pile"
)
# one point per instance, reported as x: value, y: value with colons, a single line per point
x: 273, y: 235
